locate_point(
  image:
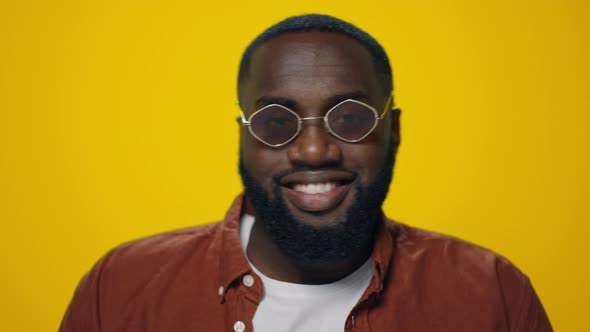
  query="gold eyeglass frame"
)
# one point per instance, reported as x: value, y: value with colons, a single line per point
x: 247, y: 122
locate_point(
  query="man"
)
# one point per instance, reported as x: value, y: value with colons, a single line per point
x: 307, y: 248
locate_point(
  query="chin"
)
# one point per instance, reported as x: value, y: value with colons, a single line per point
x: 311, y: 235
x: 314, y: 237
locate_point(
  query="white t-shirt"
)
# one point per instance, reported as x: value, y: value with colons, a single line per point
x: 303, y: 308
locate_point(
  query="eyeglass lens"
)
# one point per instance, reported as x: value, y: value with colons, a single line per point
x: 274, y: 125
x: 349, y: 121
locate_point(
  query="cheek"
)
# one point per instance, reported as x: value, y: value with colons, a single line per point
x: 367, y: 158
x: 263, y: 162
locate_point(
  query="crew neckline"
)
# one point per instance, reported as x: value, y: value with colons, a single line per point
x: 361, y: 276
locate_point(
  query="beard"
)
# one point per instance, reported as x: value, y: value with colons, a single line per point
x: 309, y: 245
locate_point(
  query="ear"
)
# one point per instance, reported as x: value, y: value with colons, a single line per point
x: 395, y: 127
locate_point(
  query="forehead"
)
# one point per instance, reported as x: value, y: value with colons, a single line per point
x: 310, y: 64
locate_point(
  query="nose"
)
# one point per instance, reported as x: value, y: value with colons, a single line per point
x: 314, y: 146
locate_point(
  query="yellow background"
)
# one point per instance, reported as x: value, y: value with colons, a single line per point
x: 117, y: 120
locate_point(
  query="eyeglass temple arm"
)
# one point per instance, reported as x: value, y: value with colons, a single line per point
x: 388, y: 106
x: 243, y: 119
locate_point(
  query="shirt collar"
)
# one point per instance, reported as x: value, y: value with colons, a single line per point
x: 383, y: 253
x: 232, y: 260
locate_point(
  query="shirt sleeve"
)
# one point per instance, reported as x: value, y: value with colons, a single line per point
x: 534, y: 317
x: 83, y: 313
x: 523, y: 307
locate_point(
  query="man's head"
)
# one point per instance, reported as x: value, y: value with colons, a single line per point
x: 318, y: 196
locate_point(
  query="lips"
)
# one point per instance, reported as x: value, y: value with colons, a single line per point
x: 317, y: 191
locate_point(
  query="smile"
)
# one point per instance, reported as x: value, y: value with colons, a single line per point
x: 317, y: 191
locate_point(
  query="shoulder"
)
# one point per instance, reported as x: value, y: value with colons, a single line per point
x: 439, y: 262
x: 164, y: 246
x: 133, y: 271
x: 444, y: 271
x: 135, y: 267
x: 155, y: 254
x: 448, y: 253
x: 460, y: 274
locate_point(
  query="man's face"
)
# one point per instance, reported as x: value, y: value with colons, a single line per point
x: 310, y: 72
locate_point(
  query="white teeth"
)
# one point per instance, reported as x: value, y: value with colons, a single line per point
x: 315, y: 188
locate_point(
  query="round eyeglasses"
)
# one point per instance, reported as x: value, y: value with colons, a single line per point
x: 350, y: 120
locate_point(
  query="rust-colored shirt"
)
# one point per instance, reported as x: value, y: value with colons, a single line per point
x: 199, y: 279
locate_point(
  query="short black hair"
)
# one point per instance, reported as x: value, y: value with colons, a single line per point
x: 322, y: 23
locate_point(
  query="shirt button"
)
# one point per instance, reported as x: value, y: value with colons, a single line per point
x: 239, y: 326
x: 220, y: 290
x: 248, y: 280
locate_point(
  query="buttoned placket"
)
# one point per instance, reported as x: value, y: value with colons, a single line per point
x: 240, y: 300
x: 358, y: 319
x: 243, y: 298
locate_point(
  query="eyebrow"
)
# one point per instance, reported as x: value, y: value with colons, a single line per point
x: 356, y: 95
x: 268, y: 100
x: 333, y: 100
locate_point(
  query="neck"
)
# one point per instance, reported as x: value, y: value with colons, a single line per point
x: 272, y: 262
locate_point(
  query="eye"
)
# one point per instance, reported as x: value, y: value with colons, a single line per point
x: 278, y: 121
x: 274, y: 118
x: 350, y: 118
